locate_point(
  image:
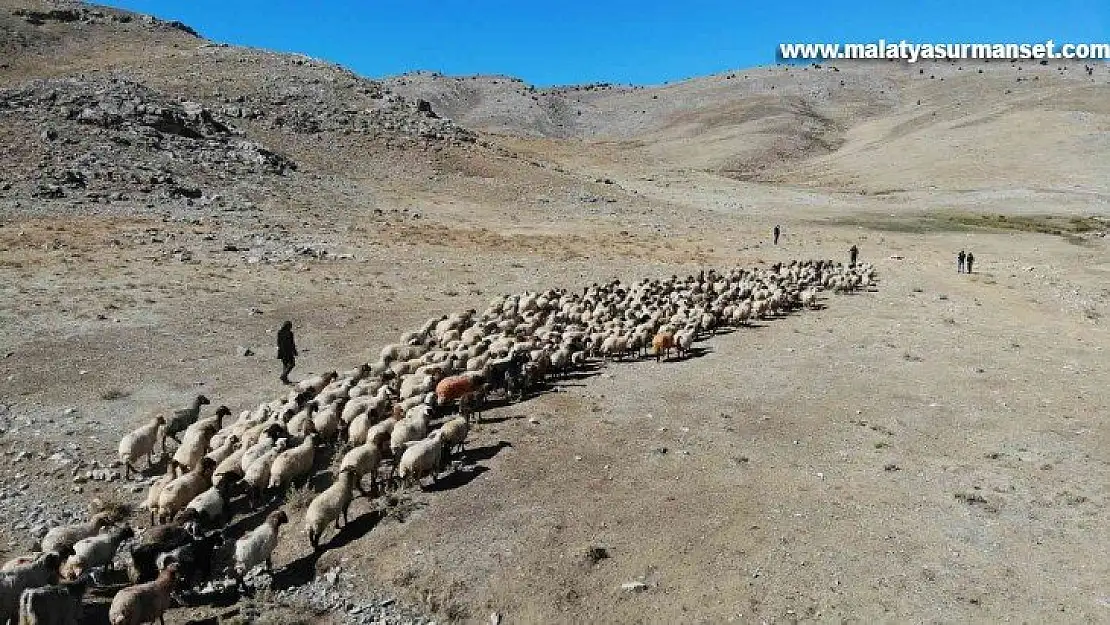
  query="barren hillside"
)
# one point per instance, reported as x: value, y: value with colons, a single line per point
x: 930, y: 450
x: 876, y: 126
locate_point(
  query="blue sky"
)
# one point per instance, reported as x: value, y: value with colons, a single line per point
x: 621, y: 41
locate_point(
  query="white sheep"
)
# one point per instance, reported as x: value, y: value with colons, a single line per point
x: 138, y: 443
x: 294, y: 463
x: 364, y: 460
x: 194, y: 446
x: 420, y: 458
x: 410, y: 428
x: 454, y: 433
x: 257, y: 474
x: 97, y: 551
x: 178, y: 493
x: 257, y: 546
x: 328, y: 506
x: 65, y: 536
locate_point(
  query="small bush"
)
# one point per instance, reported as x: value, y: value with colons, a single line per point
x: 114, y: 394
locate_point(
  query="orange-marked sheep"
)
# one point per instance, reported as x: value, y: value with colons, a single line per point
x: 455, y: 387
x: 661, y: 344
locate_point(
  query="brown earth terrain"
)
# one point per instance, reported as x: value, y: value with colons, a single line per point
x: 930, y: 451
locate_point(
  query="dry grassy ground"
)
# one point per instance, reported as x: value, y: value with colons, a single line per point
x: 930, y: 451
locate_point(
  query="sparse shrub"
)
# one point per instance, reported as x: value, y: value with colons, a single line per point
x: 113, y: 394
x: 299, y: 497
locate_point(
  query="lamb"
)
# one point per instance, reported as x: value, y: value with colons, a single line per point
x: 41, y: 572
x: 420, y: 458
x: 178, y: 493
x: 329, y: 505
x: 59, y: 604
x: 257, y: 546
x: 144, y: 603
x: 471, y: 404
x: 364, y: 460
x: 182, y: 419
x: 294, y: 463
x: 138, y: 443
x: 193, y: 447
x: 155, y: 491
x: 65, y: 536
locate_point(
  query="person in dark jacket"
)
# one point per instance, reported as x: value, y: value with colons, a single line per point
x: 960, y: 261
x: 777, y: 232
x: 853, y: 254
x: 970, y: 260
x: 287, y: 350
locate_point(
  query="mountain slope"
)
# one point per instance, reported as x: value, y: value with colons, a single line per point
x: 869, y: 125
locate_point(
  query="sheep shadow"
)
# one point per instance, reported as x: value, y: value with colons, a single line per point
x: 496, y: 420
x: 296, y: 573
x: 456, y: 479
x: 693, y: 352
x: 356, y: 529
x: 486, y: 452
x: 237, y: 528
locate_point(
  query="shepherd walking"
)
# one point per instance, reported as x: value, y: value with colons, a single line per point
x: 853, y: 254
x: 960, y: 261
x: 970, y: 261
x: 287, y: 350
x: 777, y: 232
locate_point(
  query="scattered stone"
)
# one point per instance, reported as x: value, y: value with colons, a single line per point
x: 244, y: 351
x: 634, y: 586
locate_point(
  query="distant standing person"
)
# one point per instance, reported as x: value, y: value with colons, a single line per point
x: 287, y: 350
x: 970, y: 260
x: 960, y: 261
x: 777, y: 232
x: 853, y: 254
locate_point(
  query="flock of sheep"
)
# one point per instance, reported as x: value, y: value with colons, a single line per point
x: 380, y: 413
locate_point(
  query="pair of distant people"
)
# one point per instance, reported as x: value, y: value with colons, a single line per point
x: 964, y: 261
